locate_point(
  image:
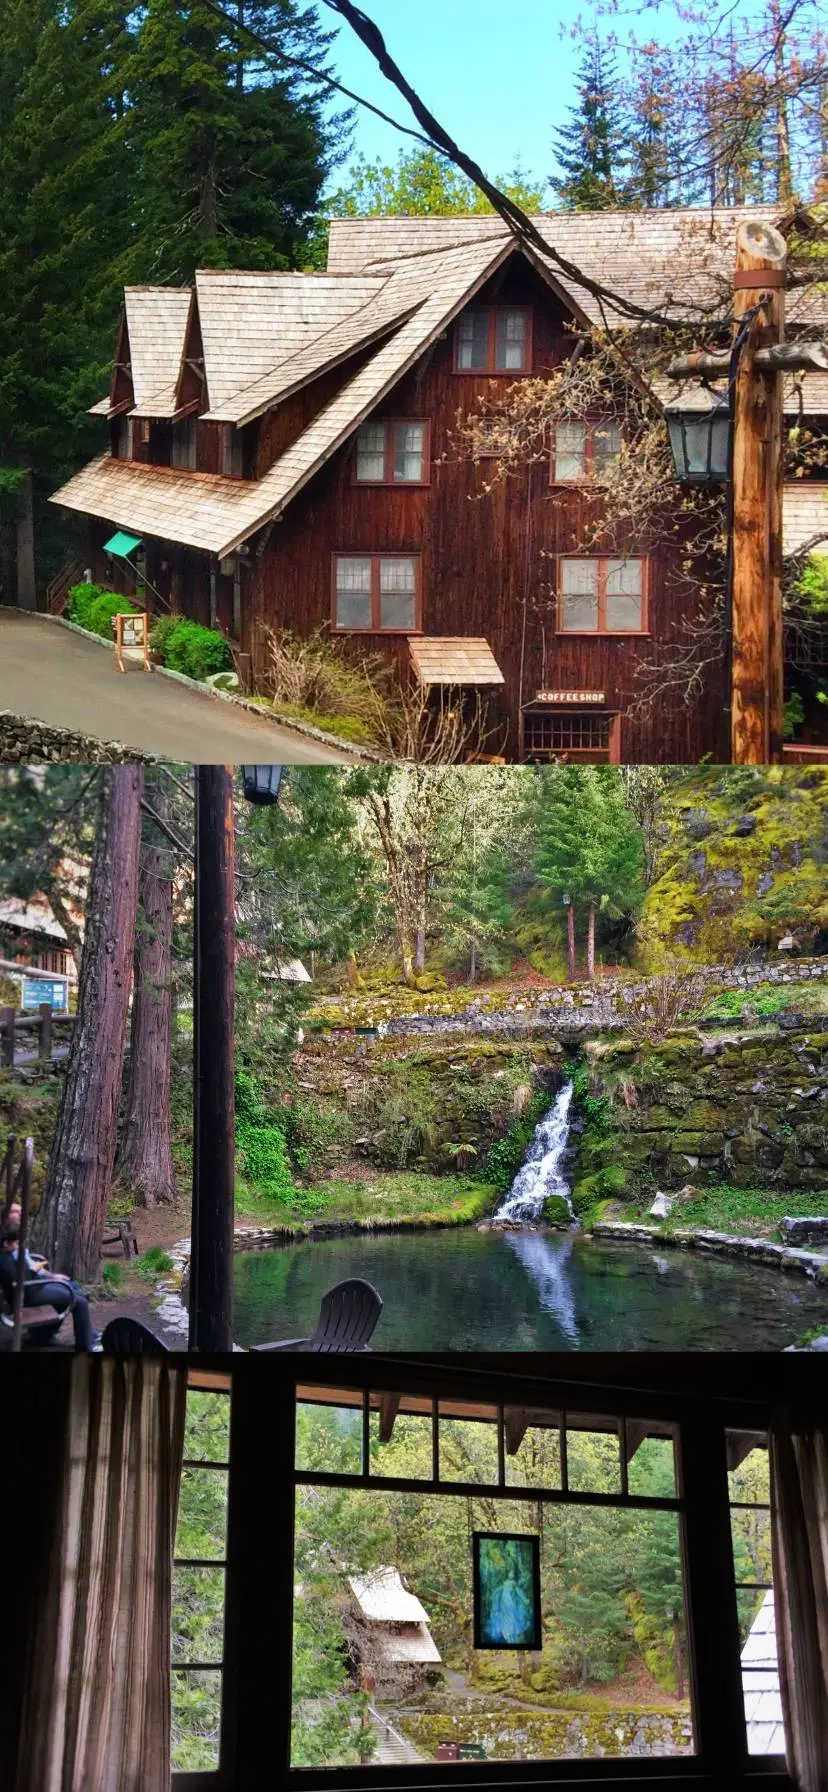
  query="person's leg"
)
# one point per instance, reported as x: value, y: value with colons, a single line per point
x: 59, y: 1296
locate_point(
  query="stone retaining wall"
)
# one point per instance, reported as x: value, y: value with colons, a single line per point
x: 551, y: 1735
x: 567, y: 1008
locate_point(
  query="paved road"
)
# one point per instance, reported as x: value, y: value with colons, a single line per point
x: 60, y: 678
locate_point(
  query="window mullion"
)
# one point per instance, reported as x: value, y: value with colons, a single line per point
x: 492, y: 367
x: 390, y: 442
x: 375, y: 594
x: 602, y: 597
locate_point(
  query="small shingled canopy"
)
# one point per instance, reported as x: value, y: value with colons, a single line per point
x: 121, y: 545
x: 453, y: 660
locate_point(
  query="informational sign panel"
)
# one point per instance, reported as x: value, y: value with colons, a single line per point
x: 53, y: 990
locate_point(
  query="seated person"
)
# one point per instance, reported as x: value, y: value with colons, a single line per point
x: 51, y: 1289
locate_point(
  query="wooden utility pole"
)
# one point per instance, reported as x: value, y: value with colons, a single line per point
x: 758, y: 696
x: 214, y: 954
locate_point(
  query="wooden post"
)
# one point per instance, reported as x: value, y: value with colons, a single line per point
x: 45, y: 1029
x: 211, y: 1251
x: 22, y: 1243
x: 757, y: 697
x: 7, y: 1036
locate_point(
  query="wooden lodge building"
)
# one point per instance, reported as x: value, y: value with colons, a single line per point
x: 282, y: 450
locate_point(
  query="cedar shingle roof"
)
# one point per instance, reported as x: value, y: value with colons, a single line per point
x: 695, y: 397
x: 156, y: 322
x: 254, y: 322
x: 445, y: 659
x: 265, y: 335
x: 665, y: 259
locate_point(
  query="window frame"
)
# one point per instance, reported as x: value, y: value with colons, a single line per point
x: 221, y: 1777
x: 591, y: 425
x: 376, y: 558
x: 491, y: 370
x: 601, y: 632
x: 259, y: 1617
x: 390, y: 424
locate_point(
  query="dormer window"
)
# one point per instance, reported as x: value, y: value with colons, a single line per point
x: 584, y: 451
x: 232, y: 464
x: 392, y: 454
x: 494, y: 340
x: 184, y: 441
x: 124, y: 438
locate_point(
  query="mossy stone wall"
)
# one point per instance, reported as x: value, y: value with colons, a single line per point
x: 750, y: 1110
x: 551, y: 1735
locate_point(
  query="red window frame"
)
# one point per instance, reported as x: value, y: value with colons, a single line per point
x: 591, y: 426
x: 602, y: 561
x: 375, y: 626
x: 389, y: 424
x: 502, y: 373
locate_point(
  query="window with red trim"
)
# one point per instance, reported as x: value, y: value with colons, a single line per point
x: 494, y: 340
x: 602, y: 596
x: 392, y: 453
x: 583, y: 450
x: 377, y: 594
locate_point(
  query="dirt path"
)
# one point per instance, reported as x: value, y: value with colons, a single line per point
x: 70, y: 682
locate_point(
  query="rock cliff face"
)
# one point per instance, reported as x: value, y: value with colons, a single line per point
x: 752, y: 1108
x: 742, y: 861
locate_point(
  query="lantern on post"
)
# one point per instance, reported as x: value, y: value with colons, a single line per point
x: 261, y: 784
x: 700, y: 441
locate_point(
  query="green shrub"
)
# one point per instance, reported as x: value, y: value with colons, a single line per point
x: 93, y: 608
x: 261, y: 1145
x: 186, y: 647
x: 506, y: 1157
x: 154, y: 1262
x: 112, y: 1277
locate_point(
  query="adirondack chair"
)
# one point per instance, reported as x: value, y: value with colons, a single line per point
x: 36, y: 1325
x: 128, y: 1337
x: 39, y: 1325
x: 348, y: 1316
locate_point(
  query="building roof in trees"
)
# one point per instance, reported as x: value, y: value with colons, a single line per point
x: 383, y: 1600
x: 156, y: 323
x: 31, y: 917
x: 760, y: 1683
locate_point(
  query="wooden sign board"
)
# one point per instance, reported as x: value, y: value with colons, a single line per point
x: 565, y: 697
x: 131, y: 631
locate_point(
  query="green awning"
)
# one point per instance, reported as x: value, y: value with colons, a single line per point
x: 122, y: 545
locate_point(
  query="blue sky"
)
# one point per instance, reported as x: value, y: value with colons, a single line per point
x: 499, y: 76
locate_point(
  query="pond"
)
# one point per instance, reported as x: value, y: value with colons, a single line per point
x: 527, y: 1290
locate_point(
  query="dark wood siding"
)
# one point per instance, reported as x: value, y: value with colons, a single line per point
x: 488, y: 558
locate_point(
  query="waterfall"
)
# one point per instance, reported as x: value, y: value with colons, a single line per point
x: 540, y: 1175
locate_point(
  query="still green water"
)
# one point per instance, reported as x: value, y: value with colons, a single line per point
x: 469, y: 1290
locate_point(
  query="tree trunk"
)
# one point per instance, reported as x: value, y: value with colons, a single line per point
x: 784, y: 178
x: 420, y: 952
x: 679, y: 1667
x: 591, y: 941
x: 240, y: 21
x: 572, y: 967
x: 397, y: 882
x: 473, y: 962
x: 145, y: 1160
x: 73, y: 1210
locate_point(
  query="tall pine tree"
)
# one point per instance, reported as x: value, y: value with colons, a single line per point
x: 592, y: 149
x: 231, y: 151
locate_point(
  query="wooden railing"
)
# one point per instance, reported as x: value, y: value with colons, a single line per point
x: 44, y: 1024
x: 57, y: 591
x: 18, y: 1187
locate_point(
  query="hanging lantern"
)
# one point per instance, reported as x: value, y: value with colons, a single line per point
x: 261, y: 784
x: 700, y: 441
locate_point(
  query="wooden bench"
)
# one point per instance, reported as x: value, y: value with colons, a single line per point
x: 123, y: 1236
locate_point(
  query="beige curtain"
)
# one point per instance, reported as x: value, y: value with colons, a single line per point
x: 799, y: 1517
x: 96, y: 1708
